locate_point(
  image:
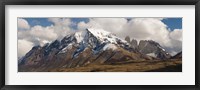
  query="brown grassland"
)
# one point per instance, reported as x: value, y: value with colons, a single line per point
x: 173, y: 65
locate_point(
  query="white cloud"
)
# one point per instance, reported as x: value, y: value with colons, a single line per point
x: 39, y: 35
x: 176, y: 34
x: 22, y: 24
x: 60, y: 21
x: 61, y: 26
x: 110, y: 24
x: 82, y: 25
x: 23, y: 47
x: 46, y: 33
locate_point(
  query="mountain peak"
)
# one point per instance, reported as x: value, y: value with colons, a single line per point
x: 152, y: 48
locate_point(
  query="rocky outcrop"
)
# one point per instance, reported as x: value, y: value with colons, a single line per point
x: 153, y: 49
x: 149, y: 47
x: 177, y: 56
x: 134, y: 44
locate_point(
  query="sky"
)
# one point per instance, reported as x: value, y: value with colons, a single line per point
x: 172, y: 23
x: 38, y: 31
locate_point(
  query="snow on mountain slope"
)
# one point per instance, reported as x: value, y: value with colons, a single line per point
x: 152, y: 54
x: 105, y: 36
x: 109, y: 47
x: 66, y: 48
x: 80, y: 35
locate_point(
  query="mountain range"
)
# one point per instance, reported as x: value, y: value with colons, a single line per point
x: 90, y: 46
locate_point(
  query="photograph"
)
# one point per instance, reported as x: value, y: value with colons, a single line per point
x: 99, y: 44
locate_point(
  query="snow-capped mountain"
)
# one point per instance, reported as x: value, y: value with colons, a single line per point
x: 96, y: 39
x: 90, y: 46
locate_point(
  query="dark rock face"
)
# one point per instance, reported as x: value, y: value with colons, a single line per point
x: 134, y: 44
x: 127, y: 38
x: 177, y: 56
x: 153, y: 48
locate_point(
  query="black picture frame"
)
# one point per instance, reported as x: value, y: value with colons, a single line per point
x: 98, y: 2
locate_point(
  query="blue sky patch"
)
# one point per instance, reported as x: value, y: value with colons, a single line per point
x: 38, y: 21
x: 172, y: 23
